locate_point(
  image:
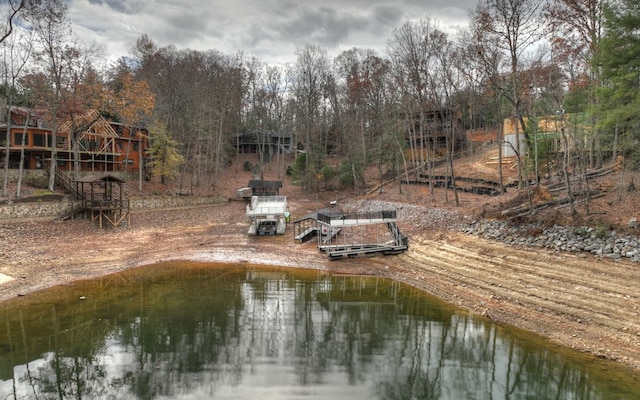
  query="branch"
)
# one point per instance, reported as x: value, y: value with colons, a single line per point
x: 12, y: 15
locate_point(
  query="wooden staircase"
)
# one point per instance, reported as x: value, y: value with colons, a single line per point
x: 66, y: 184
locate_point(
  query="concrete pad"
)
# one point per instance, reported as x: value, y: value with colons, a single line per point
x: 5, y: 278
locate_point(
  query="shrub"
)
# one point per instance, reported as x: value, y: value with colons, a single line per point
x: 602, y: 230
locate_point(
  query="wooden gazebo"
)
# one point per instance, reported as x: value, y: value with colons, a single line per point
x: 102, y: 198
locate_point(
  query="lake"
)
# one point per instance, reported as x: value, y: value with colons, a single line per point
x: 183, y: 330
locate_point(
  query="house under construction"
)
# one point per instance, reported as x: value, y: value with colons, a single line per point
x: 101, y: 145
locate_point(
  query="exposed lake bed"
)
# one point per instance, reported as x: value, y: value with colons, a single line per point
x: 584, y: 303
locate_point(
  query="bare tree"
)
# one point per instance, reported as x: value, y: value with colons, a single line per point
x: 513, y: 27
x: 575, y: 29
x: 11, y: 10
x: 201, y: 96
x: 52, y: 30
x: 363, y: 79
x: 276, y: 87
x: 312, y: 71
x: 446, y: 89
x: 412, y: 53
x: 16, y: 52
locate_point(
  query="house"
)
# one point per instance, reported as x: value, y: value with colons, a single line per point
x: 26, y: 129
x: 433, y: 130
x: 262, y: 142
x: 102, y: 145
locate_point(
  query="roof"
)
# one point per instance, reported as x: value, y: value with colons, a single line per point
x: 255, y: 132
x: 91, y: 123
x: 99, y: 178
x: 257, y: 183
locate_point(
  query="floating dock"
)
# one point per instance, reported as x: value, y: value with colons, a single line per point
x: 267, y: 215
x: 365, y: 233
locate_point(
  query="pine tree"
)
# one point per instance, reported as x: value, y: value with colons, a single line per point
x: 619, y: 58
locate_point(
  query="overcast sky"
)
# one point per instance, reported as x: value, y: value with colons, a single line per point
x: 272, y: 30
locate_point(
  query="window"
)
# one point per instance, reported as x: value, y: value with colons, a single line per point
x: 17, y: 139
x: 39, y: 140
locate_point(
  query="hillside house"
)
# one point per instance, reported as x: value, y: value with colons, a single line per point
x: 431, y: 129
x: 102, y: 145
x: 267, y: 143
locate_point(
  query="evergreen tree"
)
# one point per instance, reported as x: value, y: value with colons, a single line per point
x: 619, y: 97
x: 163, y: 152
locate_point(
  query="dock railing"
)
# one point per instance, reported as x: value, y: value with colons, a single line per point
x: 359, y: 216
x: 267, y: 205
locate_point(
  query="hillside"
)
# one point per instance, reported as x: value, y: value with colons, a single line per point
x: 613, y: 203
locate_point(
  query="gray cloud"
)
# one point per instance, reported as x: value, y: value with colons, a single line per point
x: 269, y: 29
x: 324, y: 26
x: 121, y: 6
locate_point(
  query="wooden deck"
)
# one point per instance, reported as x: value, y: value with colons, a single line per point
x: 113, y: 212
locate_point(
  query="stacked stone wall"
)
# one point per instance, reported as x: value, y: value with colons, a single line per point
x: 54, y: 209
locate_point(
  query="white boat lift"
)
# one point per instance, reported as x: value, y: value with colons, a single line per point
x: 267, y: 215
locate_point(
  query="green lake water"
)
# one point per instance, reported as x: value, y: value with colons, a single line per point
x: 210, y: 331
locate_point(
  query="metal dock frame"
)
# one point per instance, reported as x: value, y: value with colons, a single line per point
x: 340, y: 242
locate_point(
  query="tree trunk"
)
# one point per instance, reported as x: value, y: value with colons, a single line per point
x: 565, y: 170
x: 54, y: 153
x: 7, y: 152
x: 21, y: 166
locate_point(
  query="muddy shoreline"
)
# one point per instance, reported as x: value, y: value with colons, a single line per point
x: 578, y: 301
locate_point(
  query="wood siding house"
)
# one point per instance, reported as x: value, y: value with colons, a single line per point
x: 102, y: 145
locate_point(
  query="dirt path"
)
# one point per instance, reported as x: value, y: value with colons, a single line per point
x: 586, y: 303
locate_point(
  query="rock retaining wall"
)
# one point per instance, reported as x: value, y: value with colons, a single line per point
x: 54, y: 209
x: 600, y: 242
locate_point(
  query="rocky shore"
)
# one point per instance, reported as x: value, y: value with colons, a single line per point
x: 580, y: 240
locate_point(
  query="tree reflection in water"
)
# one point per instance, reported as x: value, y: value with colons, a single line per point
x: 185, y: 330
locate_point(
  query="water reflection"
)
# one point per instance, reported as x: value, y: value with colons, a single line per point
x: 194, y: 331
